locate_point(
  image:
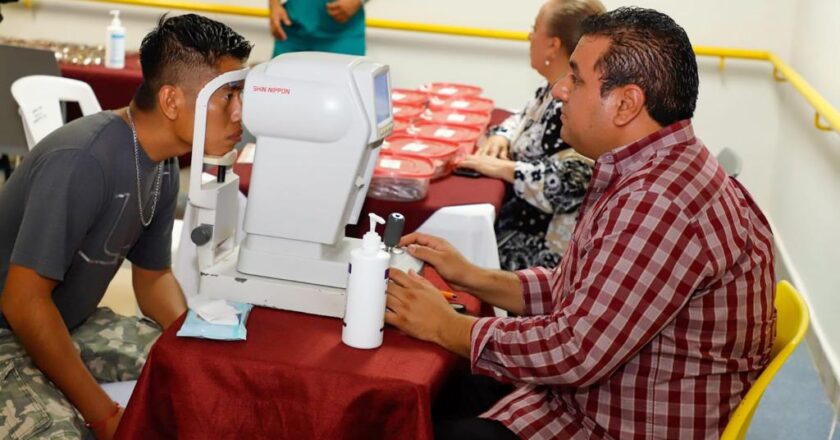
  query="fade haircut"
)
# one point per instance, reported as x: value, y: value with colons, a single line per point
x: 178, y: 46
x: 648, y: 49
x: 565, y: 19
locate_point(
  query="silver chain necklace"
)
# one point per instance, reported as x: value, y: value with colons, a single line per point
x: 143, y: 221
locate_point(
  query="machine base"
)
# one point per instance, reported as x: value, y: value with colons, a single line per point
x: 223, y: 281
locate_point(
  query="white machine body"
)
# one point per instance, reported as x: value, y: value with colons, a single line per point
x: 213, y: 206
x: 319, y: 120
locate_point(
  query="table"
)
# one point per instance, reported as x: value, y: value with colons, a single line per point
x: 114, y: 88
x: 292, y: 378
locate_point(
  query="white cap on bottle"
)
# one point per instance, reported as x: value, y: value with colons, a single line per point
x: 116, y: 20
x: 371, y: 240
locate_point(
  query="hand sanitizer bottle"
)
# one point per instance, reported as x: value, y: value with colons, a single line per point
x: 364, y: 313
x: 115, y: 47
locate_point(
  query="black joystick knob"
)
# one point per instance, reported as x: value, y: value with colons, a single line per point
x: 393, y: 230
x: 201, y: 234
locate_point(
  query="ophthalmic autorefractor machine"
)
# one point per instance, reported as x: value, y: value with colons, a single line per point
x: 319, y: 120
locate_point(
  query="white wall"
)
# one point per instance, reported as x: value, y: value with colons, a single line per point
x: 501, y: 67
x: 806, y: 182
x: 792, y: 169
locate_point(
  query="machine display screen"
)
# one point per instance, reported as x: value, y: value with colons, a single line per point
x: 382, y: 97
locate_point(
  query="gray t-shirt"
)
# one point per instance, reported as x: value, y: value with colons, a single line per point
x: 70, y: 212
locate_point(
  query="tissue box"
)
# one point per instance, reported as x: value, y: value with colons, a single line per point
x: 196, y: 327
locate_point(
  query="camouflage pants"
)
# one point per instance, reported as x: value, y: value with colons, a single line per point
x: 113, y: 347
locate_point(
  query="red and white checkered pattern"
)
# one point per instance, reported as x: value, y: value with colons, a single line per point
x: 660, y: 315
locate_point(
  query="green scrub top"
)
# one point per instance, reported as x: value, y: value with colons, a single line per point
x: 313, y: 29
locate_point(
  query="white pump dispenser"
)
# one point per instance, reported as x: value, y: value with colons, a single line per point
x: 364, y: 313
x: 115, y: 46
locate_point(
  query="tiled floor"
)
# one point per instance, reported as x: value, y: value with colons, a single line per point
x: 794, y: 407
x: 120, y: 295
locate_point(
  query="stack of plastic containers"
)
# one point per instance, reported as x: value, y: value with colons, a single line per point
x: 414, y: 98
x: 440, y: 152
x: 406, y: 113
x: 472, y: 104
x: 408, y: 104
x: 457, y: 117
x: 400, y: 178
x: 434, y: 125
x: 457, y: 104
x: 450, y: 90
x: 465, y: 136
x: 400, y: 127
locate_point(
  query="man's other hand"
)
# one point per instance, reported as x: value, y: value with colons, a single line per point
x: 277, y: 19
x: 415, y: 306
x: 343, y: 10
x: 447, y: 261
x: 418, y: 308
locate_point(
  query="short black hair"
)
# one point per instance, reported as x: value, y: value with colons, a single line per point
x: 652, y: 51
x: 180, y: 44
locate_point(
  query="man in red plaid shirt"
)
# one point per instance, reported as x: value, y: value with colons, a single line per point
x: 660, y: 315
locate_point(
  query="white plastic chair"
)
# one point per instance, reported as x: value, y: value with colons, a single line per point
x: 39, y: 98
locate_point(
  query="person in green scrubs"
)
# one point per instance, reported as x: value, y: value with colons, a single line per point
x: 318, y: 25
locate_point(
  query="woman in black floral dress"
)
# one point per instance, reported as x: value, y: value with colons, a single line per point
x: 549, y: 178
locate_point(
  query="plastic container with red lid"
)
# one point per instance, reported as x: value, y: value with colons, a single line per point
x: 450, y: 90
x: 465, y: 136
x: 409, y: 97
x: 400, y: 178
x: 474, y: 104
x: 440, y: 152
x: 450, y: 117
x: 406, y: 113
x: 400, y: 126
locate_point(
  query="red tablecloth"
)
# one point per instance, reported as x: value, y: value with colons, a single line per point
x: 114, y: 88
x: 292, y: 379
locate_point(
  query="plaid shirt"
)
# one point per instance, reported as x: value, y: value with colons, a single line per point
x: 660, y: 315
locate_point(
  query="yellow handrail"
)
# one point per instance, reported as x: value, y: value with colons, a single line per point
x: 446, y: 30
x: 781, y: 70
x: 821, y: 105
x: 246, y: 11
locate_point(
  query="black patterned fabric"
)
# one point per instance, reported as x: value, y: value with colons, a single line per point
x: 550, y: 181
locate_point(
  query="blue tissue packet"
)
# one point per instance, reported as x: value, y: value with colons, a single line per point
x: 196, y: 327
